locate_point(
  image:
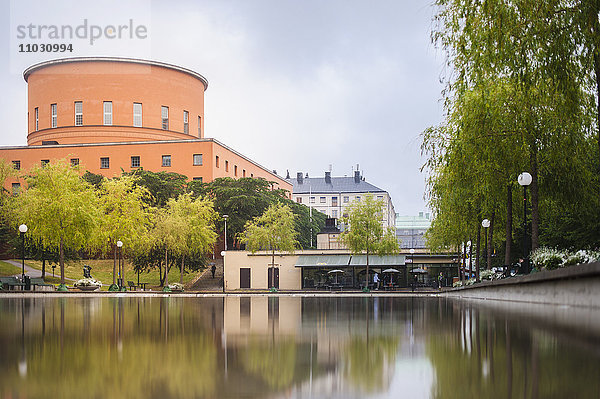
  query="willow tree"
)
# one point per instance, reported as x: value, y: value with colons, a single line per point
x: 365, y: 232
x: 515, y: 99
x: 185, y: 226
x: 272, y: 231
x: 60, y: 209
x: 126, y: 217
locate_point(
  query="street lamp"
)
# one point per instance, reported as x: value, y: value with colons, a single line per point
x: 23, y: 230
x: 525, y: 180
x: 412, y: 262
x: 225, y: 235
x: 486, y: 223
x: 121, y: 281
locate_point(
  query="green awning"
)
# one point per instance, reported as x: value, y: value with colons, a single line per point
x: 378, y: 261
x: 325, y: 261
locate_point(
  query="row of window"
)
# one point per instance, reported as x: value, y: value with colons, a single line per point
x: 107, y: 109
x: 136, y: 163
x: 105, y: 162
x: 235, y: 168
x: 334, y: 200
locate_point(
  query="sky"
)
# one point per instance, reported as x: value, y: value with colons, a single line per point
x: 298, y: 86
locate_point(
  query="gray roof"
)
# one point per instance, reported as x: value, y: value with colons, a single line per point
x: 318, y: 185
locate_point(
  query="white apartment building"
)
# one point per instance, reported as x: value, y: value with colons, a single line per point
x: 331, y: 195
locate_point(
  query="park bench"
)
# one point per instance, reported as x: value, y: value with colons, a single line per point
x: 10, y: 283
x: 132, y: 286
x: 39, y: 284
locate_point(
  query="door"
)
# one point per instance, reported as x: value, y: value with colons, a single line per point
x: 273, y: 277
x: 244, y: 277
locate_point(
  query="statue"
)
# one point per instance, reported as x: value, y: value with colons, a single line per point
x: 86, y: 271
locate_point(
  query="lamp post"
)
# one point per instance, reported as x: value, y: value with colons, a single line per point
x: 23, y: 230
x: 225, y: 234
x: 525, y: 180
x: 412, y: 262
x: 486, y: 223
x: 121, y: 281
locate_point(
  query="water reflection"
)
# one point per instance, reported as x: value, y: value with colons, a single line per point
x: 269, y: 346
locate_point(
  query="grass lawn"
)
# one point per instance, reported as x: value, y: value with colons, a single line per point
x: 6, y: 269
x: 102, y: 270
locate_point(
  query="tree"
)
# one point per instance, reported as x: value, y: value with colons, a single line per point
x: 184, y: 227
x: 126, y: 217
x: 162, y: 185
x: 60, y: 209
x: 365, y: 232
x: 272, y: 231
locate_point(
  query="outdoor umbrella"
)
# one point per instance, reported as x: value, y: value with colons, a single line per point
x: 336, y: 271
x: 390, y: 271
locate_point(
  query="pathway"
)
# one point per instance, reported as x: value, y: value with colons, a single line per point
x: 30, y: 271
x: 206, y: 282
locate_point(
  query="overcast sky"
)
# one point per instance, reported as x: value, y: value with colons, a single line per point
x: 294, y: 85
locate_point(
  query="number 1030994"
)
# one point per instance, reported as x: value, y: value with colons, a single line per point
x: 45, y: 48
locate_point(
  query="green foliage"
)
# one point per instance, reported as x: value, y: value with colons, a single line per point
x: 162, y: 185
x: 273, y: 230
x: 365, y: 232
x: 60, y: 209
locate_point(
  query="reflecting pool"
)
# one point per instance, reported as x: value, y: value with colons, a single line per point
x: 295, y: 347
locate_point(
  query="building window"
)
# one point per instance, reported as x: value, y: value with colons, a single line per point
x: 198, y: 179
x: 16, y: 188
x: 226, y: 166
x: 334, y: 201
x: 252, y: 175
x: 166, y: 160
x: 199, y: 126
x: 74, y: 161
x: 299, y: 200
x: 108, y: 113
x: 104, y: 163
x: 54, y: 112
x: 346, y: 199
x: 78, y: 113
x: 37, y: 119
x: 16, y: 165
x: 235, y: 170
x: 135, y: 161
x: 164, y: 114
x: 197, y: 159
x: 137, y: 114
x: 217, y: 161
x: 334, y: 213
x: 186, y: 122
x: 312, y: 200
x: 45, y: 162
x: 243, y: 172
x: 322, y: 200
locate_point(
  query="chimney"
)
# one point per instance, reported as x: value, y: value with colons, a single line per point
x: 357, y: 176
x: 328, y: 177
x: 287, y: 174
x: 299, y: 177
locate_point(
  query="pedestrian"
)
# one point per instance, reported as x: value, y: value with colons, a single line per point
x: 376, y: 281
x: 440, y: 279
x: 213, y: 269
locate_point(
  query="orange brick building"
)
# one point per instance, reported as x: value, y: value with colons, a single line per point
x: 108, y: 114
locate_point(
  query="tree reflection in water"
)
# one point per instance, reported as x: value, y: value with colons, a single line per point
x: 341, y: 346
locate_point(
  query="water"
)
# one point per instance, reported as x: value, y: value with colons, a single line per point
x: 295, y: 347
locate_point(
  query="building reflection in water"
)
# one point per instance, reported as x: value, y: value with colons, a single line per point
x: 292, y: 346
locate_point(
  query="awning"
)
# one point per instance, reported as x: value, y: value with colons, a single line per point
x: 378, y: 261
x: 324, y: 261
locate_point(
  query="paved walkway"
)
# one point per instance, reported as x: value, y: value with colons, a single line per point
x: 206, y: 282
x: 30, y: 271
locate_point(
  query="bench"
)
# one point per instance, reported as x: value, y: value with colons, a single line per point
x: 41, y: 284
x: 10, y: 283
x: 132, y: 286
